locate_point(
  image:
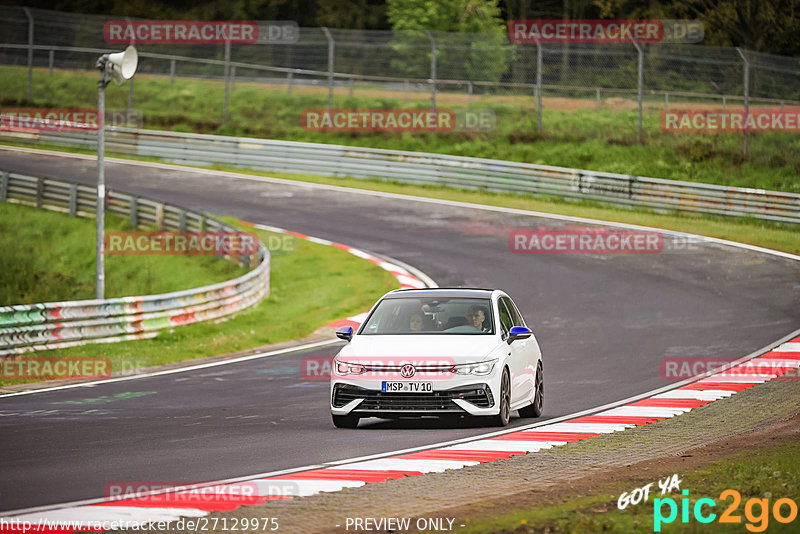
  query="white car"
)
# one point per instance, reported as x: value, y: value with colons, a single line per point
x: 439, y: 352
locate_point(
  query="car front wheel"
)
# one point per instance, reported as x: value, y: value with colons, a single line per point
x: 535, y: 408
x: 501, y: 419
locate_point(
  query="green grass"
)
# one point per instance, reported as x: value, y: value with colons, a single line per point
x: 49, y: 256
x: 311, y: 286
x: 599, y: 140
x: 759, y: 473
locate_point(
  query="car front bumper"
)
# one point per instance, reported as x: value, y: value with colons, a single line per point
x: 469, y: 395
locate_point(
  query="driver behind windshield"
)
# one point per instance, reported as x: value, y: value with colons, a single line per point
x: 475, y: 317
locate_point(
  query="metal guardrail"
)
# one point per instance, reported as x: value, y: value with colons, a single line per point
x: 62, y: 324
x: 439, y: 169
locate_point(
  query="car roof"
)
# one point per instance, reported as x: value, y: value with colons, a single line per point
x: 449, y: 292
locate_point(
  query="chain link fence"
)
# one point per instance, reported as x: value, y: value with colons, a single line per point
x: 646, y: 77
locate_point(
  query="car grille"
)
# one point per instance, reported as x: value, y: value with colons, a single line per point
x: 438, y: 401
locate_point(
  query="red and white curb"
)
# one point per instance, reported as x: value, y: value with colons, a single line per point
x: 335, y: 476
x: 407, y: 279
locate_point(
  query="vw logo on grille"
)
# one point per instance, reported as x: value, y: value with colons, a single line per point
x: 407, y: 371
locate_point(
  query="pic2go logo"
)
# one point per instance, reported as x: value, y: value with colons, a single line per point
x: 756, y: 511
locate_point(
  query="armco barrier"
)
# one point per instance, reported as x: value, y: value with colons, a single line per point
x: 61, y: 324
x: 454, y: 171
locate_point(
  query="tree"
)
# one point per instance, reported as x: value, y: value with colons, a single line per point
x: 470, y: 37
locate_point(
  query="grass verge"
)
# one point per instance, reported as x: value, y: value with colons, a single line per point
x: 311, y: 285
x: 573, y: 136
x: 49, y: 256
x: 765, y: 474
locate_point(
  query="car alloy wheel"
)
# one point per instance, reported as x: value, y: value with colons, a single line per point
x: 535, y: 408
x: 501, y: 419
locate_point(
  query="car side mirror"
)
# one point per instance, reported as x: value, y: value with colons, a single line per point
x: 345, y: 332
x: 519, y: 332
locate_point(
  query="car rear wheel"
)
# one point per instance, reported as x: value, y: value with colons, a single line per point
x: 501, y: 419
x: 535, y: 408
x: 345, y: 421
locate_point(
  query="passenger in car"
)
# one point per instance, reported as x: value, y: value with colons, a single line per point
x: 415, y: 323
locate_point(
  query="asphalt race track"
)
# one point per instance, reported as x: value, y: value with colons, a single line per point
x: 604, y: 324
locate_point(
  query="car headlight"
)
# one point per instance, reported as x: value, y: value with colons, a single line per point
x: 344, y: 368
x: 480, y: 369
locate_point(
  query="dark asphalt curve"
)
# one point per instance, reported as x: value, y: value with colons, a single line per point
x: 605, y: 323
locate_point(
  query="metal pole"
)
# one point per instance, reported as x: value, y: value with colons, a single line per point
x: 352, y: 83
x: 433, y: 69
x: 289, y: 83
x: 746, y: 100
x: 233, y: 78
x: 331, y: 46
x: 666, y: 101
x: 171, y: 71
x: 597, y: 97
x: 227, y: 81
x: 640, y: 84
x: 405, y: 91
x: 469, y: 91
x: 30, y: 50
x: 51, y: 59
x: 100, y: 275
x: 538, y: 88
x: 130, y: 97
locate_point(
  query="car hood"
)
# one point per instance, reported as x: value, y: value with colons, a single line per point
x: 454, y: 348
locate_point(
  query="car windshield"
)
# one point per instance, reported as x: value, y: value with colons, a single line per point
x: 430, y: 315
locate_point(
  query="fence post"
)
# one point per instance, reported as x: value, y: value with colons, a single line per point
x: 227, y: 80
x: 331, y: 49
x: 4, y: 186
x: 538, y: 87
x: 469, y: 91
x: 172, y: 72
x: 405, y: 91
x: 73, y: 200
x: 39, y: 191
x: 352, y: 83
x: 640, y: 83
x: 666, y: 101
x: 30, y: 49
x: 134, y: 212
x: 597, y: 97
x: 233, y: 78
x: 50, y: 60
x: 159, y: 216
x: 182, y: 221
x: 289, y: 77
x: 746, y: 100
x: 433, y: 69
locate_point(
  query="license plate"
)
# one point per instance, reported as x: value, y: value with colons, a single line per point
x: 407, y: 387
